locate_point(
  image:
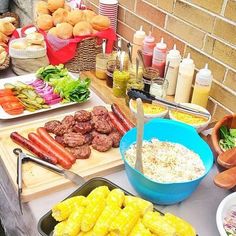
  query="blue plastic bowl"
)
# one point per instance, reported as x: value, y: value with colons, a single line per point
x: 172, y: 131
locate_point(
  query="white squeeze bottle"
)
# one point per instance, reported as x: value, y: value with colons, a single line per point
x: 185, y: 79
x: 138, y: 38
x: 174, y: 59
x: 202, y: 87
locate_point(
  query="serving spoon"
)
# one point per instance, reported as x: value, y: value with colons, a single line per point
x: 139, y: 143
x: 227, y: 159
x: 226, y: 179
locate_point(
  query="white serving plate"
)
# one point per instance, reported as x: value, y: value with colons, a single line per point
x: 25, y: 79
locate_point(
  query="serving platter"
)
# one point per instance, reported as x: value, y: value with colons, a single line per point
x: 38, y: 181
x: 25, y: 79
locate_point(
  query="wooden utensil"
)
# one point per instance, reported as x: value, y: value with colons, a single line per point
x: 227, y: 159
x: 226, y: 179
x: 140, y: 124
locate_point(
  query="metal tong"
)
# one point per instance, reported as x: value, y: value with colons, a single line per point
x: 22, y: 157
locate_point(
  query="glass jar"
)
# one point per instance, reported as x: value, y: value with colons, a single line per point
x: 132, y: 71
x: 111, y: 66
x: 148, y: 75
x: 101, y: 65
x: 120, y: 79
x: 159, y: 87
x: 126, y: 60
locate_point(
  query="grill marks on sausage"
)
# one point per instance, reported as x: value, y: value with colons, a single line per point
x: 85, y: 128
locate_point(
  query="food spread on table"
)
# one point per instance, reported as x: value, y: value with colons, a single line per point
x: 111, y: 212
x: 229, y: 221
x: 167, y: 162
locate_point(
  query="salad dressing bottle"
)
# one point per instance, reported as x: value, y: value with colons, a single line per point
x: 185, y: 79
x: 174, y: 58
x: 137, y: 42
x: 202, y: 87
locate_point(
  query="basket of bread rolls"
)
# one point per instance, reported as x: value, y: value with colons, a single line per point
x: 73, y: 36
x: 6, y: 30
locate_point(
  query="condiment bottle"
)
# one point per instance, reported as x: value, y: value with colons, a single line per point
x: 174, y: 58
x: 147, y: 49
x: 159, y: 57
x: 185, y: 79
x: 202, y: 87
x: 137, y: 42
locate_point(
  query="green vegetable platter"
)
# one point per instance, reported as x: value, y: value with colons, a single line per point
x: 227, y: 138
x: 50, y: 88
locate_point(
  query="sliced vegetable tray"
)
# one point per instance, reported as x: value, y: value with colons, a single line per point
x: 26, y: 79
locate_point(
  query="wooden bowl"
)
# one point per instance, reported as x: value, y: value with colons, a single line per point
x: 230, y: 122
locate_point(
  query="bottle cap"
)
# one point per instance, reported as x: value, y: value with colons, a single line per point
x: 187, y: 61
x: 174, y: 53
x: 204, y: 76
x: 161, y: 44
x: 149, y: 38
x: 140, y: 32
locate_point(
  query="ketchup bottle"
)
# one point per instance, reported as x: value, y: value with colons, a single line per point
x: 159, y: 57
x: 147, y: 49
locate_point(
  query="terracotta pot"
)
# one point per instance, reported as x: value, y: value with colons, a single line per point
x: 230, y: 122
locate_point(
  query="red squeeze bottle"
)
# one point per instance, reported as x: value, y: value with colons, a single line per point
x: 159, y: 57
x: 147, y: 49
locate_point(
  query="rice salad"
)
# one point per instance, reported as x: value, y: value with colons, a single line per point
x: 167, y: 162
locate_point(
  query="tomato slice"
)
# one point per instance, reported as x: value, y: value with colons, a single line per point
x: 15, y: 111
x: 6, y: 92
x: 12, y: 106
x: 6, y: 99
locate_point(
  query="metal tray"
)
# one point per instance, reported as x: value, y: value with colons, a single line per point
x: 47, y: 223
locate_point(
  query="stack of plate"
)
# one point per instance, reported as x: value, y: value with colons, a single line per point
x: 109, y: 8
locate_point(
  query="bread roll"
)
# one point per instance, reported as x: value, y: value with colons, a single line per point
x: 64, y: 30
x: 2, y: 49
x: 19, y: 44
x: 82, y: 28
x: 44, y: 22
x: 67, y: 7
x: 74, y: 17
x: 6, y: 28
x: 88, y: 15
x: 53, y: 5
x: 35, y: 38
x: 53, y: 31
x: 34, y: 47
x: 3, y: 38
x: 42, y: 8
x: 3, y: 56
x: 100, y: 22
x: 8, y: 19
x: 59, y: 16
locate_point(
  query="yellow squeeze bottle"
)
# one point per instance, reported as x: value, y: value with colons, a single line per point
x: 202, y: 87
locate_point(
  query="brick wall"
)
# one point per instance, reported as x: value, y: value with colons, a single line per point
x: 206, y: 29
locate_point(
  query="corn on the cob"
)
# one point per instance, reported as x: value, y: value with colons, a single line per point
x: 143, y: 205
x: 125, y: 221
x: 158, y: 225
x: 73, y: 223
x: 92, y: 212
x: 104, y: 221
x: 116, y: 196
x: 89, y: 233
x: 182, y: 227
x: 59, y: 229
x: 140, y: 230
x: 99, y: 191
x: 62, y: 210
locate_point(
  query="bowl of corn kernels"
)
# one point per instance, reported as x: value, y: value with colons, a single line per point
x: 199, y: 123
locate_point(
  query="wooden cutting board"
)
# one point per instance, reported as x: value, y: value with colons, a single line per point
x: 38, y: 181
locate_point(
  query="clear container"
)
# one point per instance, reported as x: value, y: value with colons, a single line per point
x: 132, y: 71
x: 101, y: 65
x: 120, y: 79
x: 159, y: 87
x: 148, y: 75
x: 111, y: 66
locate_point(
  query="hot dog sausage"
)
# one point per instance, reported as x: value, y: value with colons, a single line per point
x: 30, y: 146
x: 116, y: 123
x: 56, y: 146
x: 121, y: 116
x: 65, y: 163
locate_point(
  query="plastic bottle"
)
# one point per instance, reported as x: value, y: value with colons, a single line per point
x: 147, y: 49
x: 159, y: 57
x: 174, y: 58
x: 185, y: 79
x: 137, y: 42
x: 202, y: 87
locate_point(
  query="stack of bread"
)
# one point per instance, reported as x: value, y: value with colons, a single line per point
x: 6, y: 30
x: 59, y: 20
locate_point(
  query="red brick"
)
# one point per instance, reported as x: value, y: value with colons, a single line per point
x: 125, y: 31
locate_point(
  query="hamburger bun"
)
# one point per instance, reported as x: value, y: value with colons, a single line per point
x: 53, y: 5
x: 44, y: 22
x: 42, y: 8
x: 74, y: 17
x: 6, y: 28
x: 53, y: 31
x: 59, y: 16
x: 100, y: 22
x: 35, y: 38
x: 82, y: 28
x: 88, y: 15
x: 64, y: 30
